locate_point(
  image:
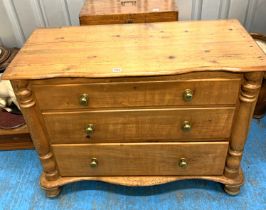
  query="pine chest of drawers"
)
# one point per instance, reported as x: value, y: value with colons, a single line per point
x: 140, y: 104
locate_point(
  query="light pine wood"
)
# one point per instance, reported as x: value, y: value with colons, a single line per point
x: 140, y: 125
x: 36, y: 127
x: 132, y: 73
x: 136, y: 181
x: 187, y: 77
x: 137, y: 50
x: 141, y: 159
x: 137, y: 94
x: 248, y: 97
x: 96, y: 12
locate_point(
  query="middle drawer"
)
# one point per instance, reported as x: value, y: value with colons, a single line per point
x: 143, y: 125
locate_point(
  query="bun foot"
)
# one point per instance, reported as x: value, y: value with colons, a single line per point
x: 52, y: 192
x: 232, y: 189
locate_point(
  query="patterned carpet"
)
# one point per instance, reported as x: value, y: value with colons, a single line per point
x: 19, y: 186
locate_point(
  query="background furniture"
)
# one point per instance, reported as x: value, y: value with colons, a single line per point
x: 142, y: 111
x: 17, y: 138
x: 260, y: 109
x: 96, y: 12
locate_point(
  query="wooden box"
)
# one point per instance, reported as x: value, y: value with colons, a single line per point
x: 96, y: 12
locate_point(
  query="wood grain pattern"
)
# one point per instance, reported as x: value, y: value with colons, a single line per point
x: 248, y: 97
x: 137, y: 94
x: 140, y: 125
x: 141, y: 159
x: 137, y: 50
x: 36, y: 127
x: 187, y: 77
x: 127, y: 11
x: 137, y: 69
x: 137, y: 181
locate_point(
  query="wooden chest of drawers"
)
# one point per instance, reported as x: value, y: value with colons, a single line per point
x: 140, y: 104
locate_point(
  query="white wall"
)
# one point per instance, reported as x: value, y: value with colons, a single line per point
x: 18, y: 18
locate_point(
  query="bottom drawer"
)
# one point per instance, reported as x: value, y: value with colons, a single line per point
x: 200, y: 158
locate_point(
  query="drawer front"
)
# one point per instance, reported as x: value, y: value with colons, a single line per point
x: 129, y: 18
x: 141, y: 159
x: 139, y: 125
x: 137, y: 94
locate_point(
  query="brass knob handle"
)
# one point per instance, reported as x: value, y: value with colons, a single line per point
x: 186, y: 126
x: 84, y: 99
x: 183, y: 163
x: 89, y: 129
x: 94, y: 163
x: 188, y: 95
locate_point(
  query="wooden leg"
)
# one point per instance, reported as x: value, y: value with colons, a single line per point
x: 52, y: 192
x: 232, y: 189
x: 38, y: 133
x: 247, y: 100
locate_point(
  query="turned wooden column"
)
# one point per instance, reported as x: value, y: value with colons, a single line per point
x: 247, y: 99
x: 38, y: 134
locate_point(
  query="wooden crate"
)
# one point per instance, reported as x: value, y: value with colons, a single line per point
x: 96, y: 12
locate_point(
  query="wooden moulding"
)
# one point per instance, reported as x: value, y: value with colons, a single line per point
x: 53, y: 187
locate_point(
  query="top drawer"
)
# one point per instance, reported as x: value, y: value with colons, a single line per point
x: 137, y: 94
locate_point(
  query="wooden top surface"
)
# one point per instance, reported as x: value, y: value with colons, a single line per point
x: 137, y: 50
x: 115, y: 7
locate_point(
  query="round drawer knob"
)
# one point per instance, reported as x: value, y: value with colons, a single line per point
x: 84, y: 99
x: 94, y: 163
x: 89, y: 129
x: 186, y: 126
x: 183, y: 163
x: 188, y: 95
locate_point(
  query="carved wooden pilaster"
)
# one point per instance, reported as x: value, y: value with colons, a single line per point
x: 35, y: 125
x: 248, y: 97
